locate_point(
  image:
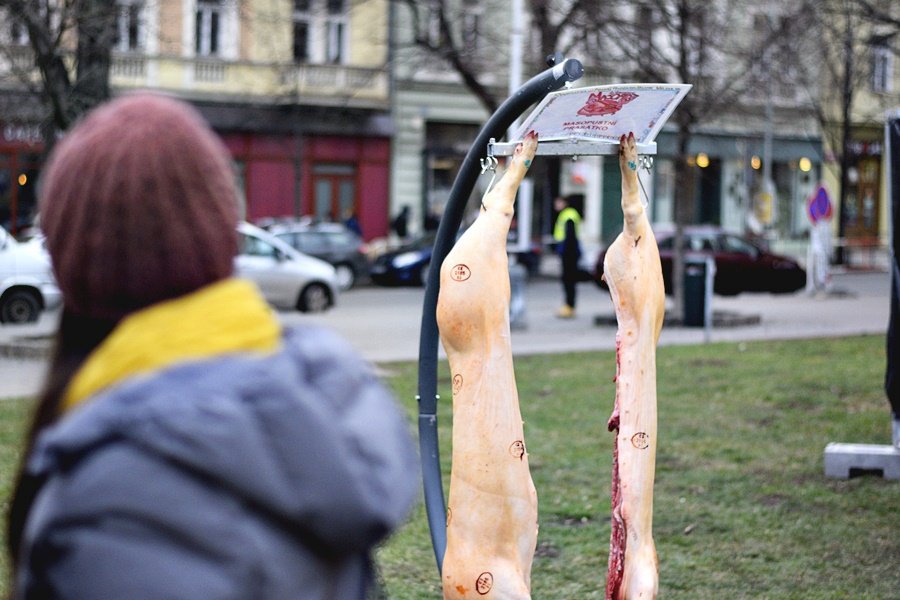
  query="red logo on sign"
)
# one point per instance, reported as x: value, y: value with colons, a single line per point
x: 601, y: 104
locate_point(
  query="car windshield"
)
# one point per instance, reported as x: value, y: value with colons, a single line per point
x: 256, y: 247
x: 693, y: 242
x: 701, y: 242
x: 343, y: 238
x: 311, y: 242
x: 731, y: 243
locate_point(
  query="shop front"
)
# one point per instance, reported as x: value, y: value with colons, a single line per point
x: 325, y: 178
x: 21, y: 148
x: 320, y: 163
x: 861, y: 207
x: 728, y: 183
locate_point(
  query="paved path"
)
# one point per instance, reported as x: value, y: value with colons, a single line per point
x: 383, y: 323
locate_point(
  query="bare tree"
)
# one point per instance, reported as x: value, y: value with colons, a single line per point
x: 72, y: 44
x: 438, y: 29
x: 882, y: 12
x: 709, y: 45
x: 844, y: 34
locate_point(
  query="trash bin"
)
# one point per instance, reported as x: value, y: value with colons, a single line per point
x: 518, y: 275
x: 696, y: 295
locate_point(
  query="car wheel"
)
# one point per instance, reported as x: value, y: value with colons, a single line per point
x: 423, y: 273
x: 346, y: 276
x: 314, y: 298
x: 20, y: 306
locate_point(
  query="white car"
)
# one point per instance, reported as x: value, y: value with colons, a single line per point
x: 288, y: 279
x: 27, y: 285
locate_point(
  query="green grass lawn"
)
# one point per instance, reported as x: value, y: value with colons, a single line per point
x: 742, y: 509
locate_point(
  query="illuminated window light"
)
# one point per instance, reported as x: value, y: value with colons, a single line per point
x: 702, y: 160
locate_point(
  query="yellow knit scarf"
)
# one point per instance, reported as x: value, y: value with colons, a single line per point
x: 224, y: 317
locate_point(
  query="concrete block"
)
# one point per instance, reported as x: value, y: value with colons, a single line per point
x: 844, y: 460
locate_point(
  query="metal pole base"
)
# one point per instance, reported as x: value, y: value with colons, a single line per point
x: 843, y: 461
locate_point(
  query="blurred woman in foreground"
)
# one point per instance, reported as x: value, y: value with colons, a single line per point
x: 185, y: 446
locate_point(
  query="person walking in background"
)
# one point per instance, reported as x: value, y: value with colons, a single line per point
x: 565, y: 233
x: 185, y: 446
x: 400, y: 224
x: 351, y: 222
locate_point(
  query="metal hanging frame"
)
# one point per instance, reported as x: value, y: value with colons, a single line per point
x: 532, y: 92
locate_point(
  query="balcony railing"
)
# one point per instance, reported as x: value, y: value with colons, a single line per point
x: 209, y: 71
x: 314, y: 84
x: 322, y: 84
x: 128, y: 66
x: 333, y: 79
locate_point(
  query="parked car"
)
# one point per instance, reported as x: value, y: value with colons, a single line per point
x: 287, y: 278
x: 331, y: 242
x: 741, y: 264
x: 407, y: 265
x: 27, y: 285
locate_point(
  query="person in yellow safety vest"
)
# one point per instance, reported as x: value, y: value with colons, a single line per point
x: 565, y: 232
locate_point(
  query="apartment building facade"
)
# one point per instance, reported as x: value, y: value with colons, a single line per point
x: 331, y: 107
x: 773, y: 126
x: 297, y: 89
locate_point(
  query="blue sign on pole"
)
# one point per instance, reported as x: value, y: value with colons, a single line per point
x: 819, y: 206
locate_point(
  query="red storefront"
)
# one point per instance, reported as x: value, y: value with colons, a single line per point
x: 20, y: 160
x: 321, y: 176
x: 337, y: 163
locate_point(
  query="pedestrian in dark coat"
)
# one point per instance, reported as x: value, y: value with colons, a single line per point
x: 186, y: 446
x: 400, y: 224
x: 568, y: 246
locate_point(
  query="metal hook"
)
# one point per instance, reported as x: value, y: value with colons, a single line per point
x: 645, y: 162
x: 489, y: 163
x: 645, y: 199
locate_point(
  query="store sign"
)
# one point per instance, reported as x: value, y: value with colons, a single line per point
x: 21, y: 133
x: 864, y: 148
x: 604, y: 113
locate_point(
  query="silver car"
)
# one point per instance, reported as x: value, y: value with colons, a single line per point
x: 27, y: 285
x: 287, y: 278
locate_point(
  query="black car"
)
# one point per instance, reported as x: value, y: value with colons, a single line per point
x: 741, y: 264
x: 407, y: 265
x: 331, y: 242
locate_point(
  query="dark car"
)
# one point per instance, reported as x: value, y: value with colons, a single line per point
x: 331, y: 242
x: 406, y: 265
x: 741, y: 264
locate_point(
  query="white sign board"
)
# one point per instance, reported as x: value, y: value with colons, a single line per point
x: 604, y: 113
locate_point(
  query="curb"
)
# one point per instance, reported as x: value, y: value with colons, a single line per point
x: 721, y: 319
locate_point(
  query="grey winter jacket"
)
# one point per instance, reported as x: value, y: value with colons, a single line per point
x: 239, y: 477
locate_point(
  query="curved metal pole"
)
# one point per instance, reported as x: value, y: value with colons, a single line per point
x: 530, y: 93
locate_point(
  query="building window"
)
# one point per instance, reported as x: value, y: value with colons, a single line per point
x: 129, y: 26
x: 433, y: 25
x: 18, y: 33
x: 646, y: 23
x: 471, y: 25
x: 302, y: 27
x: 208, y: 27
x: 320, y: 31
x: 335, y: 25
x: 882, y: 68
